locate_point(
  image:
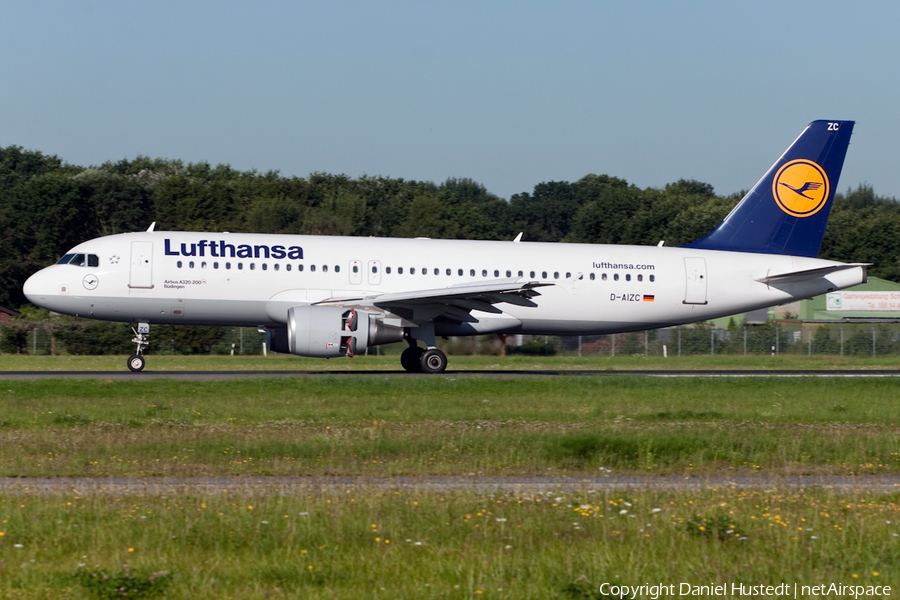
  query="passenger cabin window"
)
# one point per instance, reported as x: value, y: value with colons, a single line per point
x: 312, y: 268
x: 628, y: 277
x: 324, y: 268
x: 299, y: 267
x: 616, y: 277
x: 178, y: 264
x: 471, y: 272
x: 653, y: 278
x: 387, y: 270
x: 640, y: 277
x: 544, y: 274
x: 603, y: 277
x: 592, y: 276
x: 337, y: 268
x: 532, y: 274
x: 496, y: 273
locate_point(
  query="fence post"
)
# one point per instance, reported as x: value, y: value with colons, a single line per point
x: 679, y: 340
x: 579, y: 346
x: 647, y: 342
x: 873, y: 341
x: 745, y: 339
x: 712, y: 341
x: 809, y: 343
x: 842, y: 341
x: 613, y: 344
x: 776, y: 340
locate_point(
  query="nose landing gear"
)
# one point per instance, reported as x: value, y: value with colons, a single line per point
x: 136, y: 361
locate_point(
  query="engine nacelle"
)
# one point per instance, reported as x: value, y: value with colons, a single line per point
x: 330, y: 331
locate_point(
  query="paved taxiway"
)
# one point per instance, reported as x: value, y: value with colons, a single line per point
x: 286, y: 485
x: 227, y: 375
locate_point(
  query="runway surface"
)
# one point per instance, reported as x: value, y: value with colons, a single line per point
x: 121, y: 486
x: 499, y: 373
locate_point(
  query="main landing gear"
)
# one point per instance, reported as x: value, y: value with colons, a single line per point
x: 136, y: 361
x: 421, y: 360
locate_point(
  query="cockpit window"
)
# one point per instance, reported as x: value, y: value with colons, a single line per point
x: 80, y: 260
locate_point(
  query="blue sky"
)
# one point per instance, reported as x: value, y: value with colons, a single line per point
x: 507, y: 93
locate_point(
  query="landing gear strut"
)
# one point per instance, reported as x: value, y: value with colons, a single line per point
x: 136, y: 361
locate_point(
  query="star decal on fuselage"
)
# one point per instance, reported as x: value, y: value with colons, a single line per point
x: 113, y: 260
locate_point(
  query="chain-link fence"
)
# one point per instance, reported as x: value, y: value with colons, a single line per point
x: 774, y: 338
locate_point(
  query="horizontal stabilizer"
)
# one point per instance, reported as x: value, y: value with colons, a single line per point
x: 809, y: 274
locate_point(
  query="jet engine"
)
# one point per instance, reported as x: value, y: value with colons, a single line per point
x: 330, y: 331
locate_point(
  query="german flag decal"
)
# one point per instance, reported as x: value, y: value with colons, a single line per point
x: 648, y: 298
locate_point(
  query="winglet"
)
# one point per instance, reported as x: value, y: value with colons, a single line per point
x: 787, y: 210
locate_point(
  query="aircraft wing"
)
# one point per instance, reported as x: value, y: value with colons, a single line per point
x: 454, y: 302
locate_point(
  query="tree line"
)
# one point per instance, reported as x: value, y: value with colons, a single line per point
x: 47, y: 206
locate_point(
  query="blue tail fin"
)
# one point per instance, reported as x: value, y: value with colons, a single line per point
x: 786, y: 211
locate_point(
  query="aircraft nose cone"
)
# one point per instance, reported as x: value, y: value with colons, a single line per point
x: 38, y: 288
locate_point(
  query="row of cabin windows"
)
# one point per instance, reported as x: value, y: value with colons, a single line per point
x: 264, y: 266
x: 531, y: 274
x: 412, y: 271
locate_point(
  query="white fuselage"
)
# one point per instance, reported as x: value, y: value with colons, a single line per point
x: 253, y: 279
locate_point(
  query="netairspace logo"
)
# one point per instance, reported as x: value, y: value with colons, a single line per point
x: 732, y: 590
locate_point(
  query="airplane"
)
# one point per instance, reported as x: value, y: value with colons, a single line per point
x: 325, y: 296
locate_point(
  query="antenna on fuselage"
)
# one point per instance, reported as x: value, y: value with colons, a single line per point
x: 518, y: 237
x: 152, y: 226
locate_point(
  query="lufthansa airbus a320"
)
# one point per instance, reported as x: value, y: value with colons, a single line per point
x: 336, y: 296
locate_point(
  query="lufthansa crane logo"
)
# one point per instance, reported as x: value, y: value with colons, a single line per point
x: 800, y: 188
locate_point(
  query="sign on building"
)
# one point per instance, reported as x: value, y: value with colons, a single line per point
x: 867, y: 300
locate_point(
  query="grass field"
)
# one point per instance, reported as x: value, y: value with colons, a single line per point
x: 382, y: 425
x: 372, y: 544
x: 376, y: 543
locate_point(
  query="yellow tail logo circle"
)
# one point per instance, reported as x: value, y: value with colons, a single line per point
x: 800, y: 188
